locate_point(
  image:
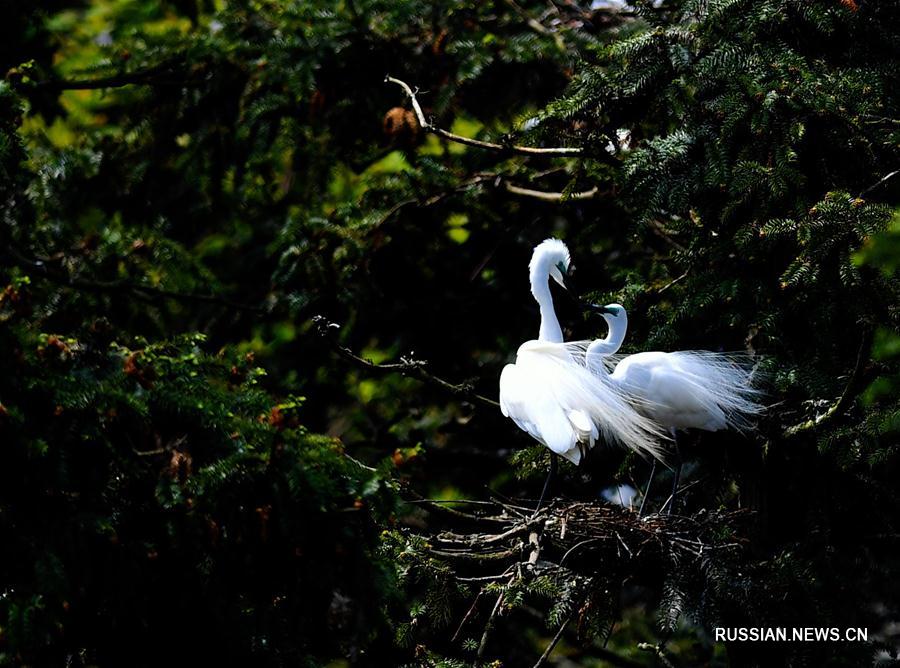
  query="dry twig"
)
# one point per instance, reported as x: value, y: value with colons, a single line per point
x: 408, y: 366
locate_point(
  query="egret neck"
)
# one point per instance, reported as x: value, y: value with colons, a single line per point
x: 539, y: 275
x: 610, y: 344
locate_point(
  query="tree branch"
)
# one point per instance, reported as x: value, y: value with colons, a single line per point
x: 536, y: 25
x: 658, y: 651
x: 467, y: 615
x: 546, y: 655
x: 884, y: 179
x: 143, y: 76
x: 496, y: 180
x: 490, y: 146
x: 550, y: 196
x: 849, y: 394
x: 490, y: 625
x: 142, y: 292
x: 407, y: 366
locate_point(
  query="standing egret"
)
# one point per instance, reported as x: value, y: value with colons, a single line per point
x: 679, y: 390
x: 554, y: 396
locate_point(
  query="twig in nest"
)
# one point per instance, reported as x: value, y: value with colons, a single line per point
x: 467, y: 615
x: 490, y: 623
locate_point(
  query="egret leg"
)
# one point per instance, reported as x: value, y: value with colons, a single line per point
x: 676, y: 478
x: 647, y: 489
x: 552, y: 474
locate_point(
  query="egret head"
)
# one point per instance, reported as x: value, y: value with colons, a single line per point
x: 551, y: 256
x: 612, y: 313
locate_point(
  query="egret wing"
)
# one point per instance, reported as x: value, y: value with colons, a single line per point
x: 555, y: 383
x: 693, y: 384
x: 528, y: 402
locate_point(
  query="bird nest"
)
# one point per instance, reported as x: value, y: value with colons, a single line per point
x: 579, y: 536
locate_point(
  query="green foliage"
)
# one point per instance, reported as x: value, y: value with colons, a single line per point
x: 157, y: 486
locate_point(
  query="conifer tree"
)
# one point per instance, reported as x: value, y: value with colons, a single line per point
x: 256, y: 299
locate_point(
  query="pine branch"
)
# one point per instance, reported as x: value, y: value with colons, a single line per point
x: 144, y: 293
x: 490, y: 146
x: 141, y: 77
x: 536, y: 25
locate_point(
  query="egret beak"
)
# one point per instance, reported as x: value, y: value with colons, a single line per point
x: 597, y: 308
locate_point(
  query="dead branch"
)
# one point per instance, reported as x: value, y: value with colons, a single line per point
x: 658, y: 651
x: 490, y: 624
x: 546, y: 655
x: 512, y: 149
x: 883, y: 179
x: 550, y: 196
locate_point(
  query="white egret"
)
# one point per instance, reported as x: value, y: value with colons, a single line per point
x: 551, y: 393
x: 678, y: 390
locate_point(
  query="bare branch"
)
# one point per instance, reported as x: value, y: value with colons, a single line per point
x: 467, y: 615
x: 550, y: 196
x: 660, y: 230
x: 556, y: 638
x: 495, y: 180
x: 407, y: 366
x: 490, y: 146
x: 849, y: 394
x: 881, y: 120
x: 672, y: 282
x: 884, y: 179
x: 490, y: 625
